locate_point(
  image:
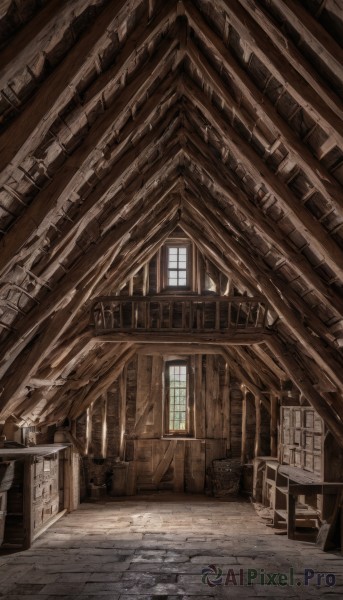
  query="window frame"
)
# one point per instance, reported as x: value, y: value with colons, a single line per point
x: 167, y: 432
x: 165, y: 266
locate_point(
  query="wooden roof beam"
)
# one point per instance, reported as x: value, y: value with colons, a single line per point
x: 124, y: 268
x: 209, y: 249
x: 268, y: 228
x: 39, y: 36
x: 78, y: 405
x: 282, y: 70
x: 62, y: 319
x: 13, y: 386
x: 317, y: 326
x: 26, y: 131
x: 263, y: 107
x: 39, y: 212
x: 313, y: 34
x: 306, y: 311
x: 177, y: 349
x: 28, y: 32
x: 59, y: 405
x: 303, y: 382
x: 258, y: 367
x: 309, y: 227
x: 284, y: 290
x: 99, y: 198
x: 322, y: 355
x: 269, y: 362
x: 144, y: 249
x: 239, y: 371
x: 114, y: 238
x: 316, y: 173
x: 34, y: 122
x: 121, y: 271
x: 236, y: 338
x: 88, y: 262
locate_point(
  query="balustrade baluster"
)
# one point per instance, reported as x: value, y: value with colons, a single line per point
x: 147, y: 316
x: 248, y: 314
x: 238, y: 313
x: 191, y: 313
x: 217, y: 322
x: 160, y: 316
x: 258, y: 314
x: 103, y: 315
x: 133, y: 316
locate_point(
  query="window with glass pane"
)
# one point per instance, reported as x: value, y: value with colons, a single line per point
x: 177, y: 381
x: 177, y: 265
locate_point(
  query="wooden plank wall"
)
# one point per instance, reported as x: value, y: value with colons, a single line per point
x: 134, y: 405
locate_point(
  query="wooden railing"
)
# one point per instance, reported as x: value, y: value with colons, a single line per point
x: 179, y: 314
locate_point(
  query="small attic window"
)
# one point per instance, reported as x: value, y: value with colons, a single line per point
x: 177, y: 266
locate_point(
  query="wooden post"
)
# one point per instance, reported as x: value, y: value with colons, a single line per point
x: 244, y: 424
x: 146, y: 279
x: 227, y: 407
x: 104, y: 426
x: 71, y: 479
x: 291, y: 500
x: 200, y: 405
x: 257, y: 450
x: 199, y: 270
x: 273, y: 425
x: 122, y: 395
x: 27, y: 502
x: 89, y: 428
x: 158, y: 271
x: 67, y: 477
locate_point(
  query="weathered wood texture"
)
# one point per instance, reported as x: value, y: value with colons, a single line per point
x: 161, y: 463
x: 124, y: 122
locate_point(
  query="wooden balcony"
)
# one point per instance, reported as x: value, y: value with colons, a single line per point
x: 215, y: 319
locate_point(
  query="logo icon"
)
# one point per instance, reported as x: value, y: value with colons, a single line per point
x: 212, y: 575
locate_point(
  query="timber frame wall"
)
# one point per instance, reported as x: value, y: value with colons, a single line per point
x: 134, y: 405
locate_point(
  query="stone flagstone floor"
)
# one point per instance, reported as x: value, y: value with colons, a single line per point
x: 156, y: 547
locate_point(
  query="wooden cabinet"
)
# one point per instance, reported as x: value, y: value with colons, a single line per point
x: 302, y: 439
x: 41, y: 490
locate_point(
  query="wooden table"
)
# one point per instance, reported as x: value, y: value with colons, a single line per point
x: 296, y: 489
